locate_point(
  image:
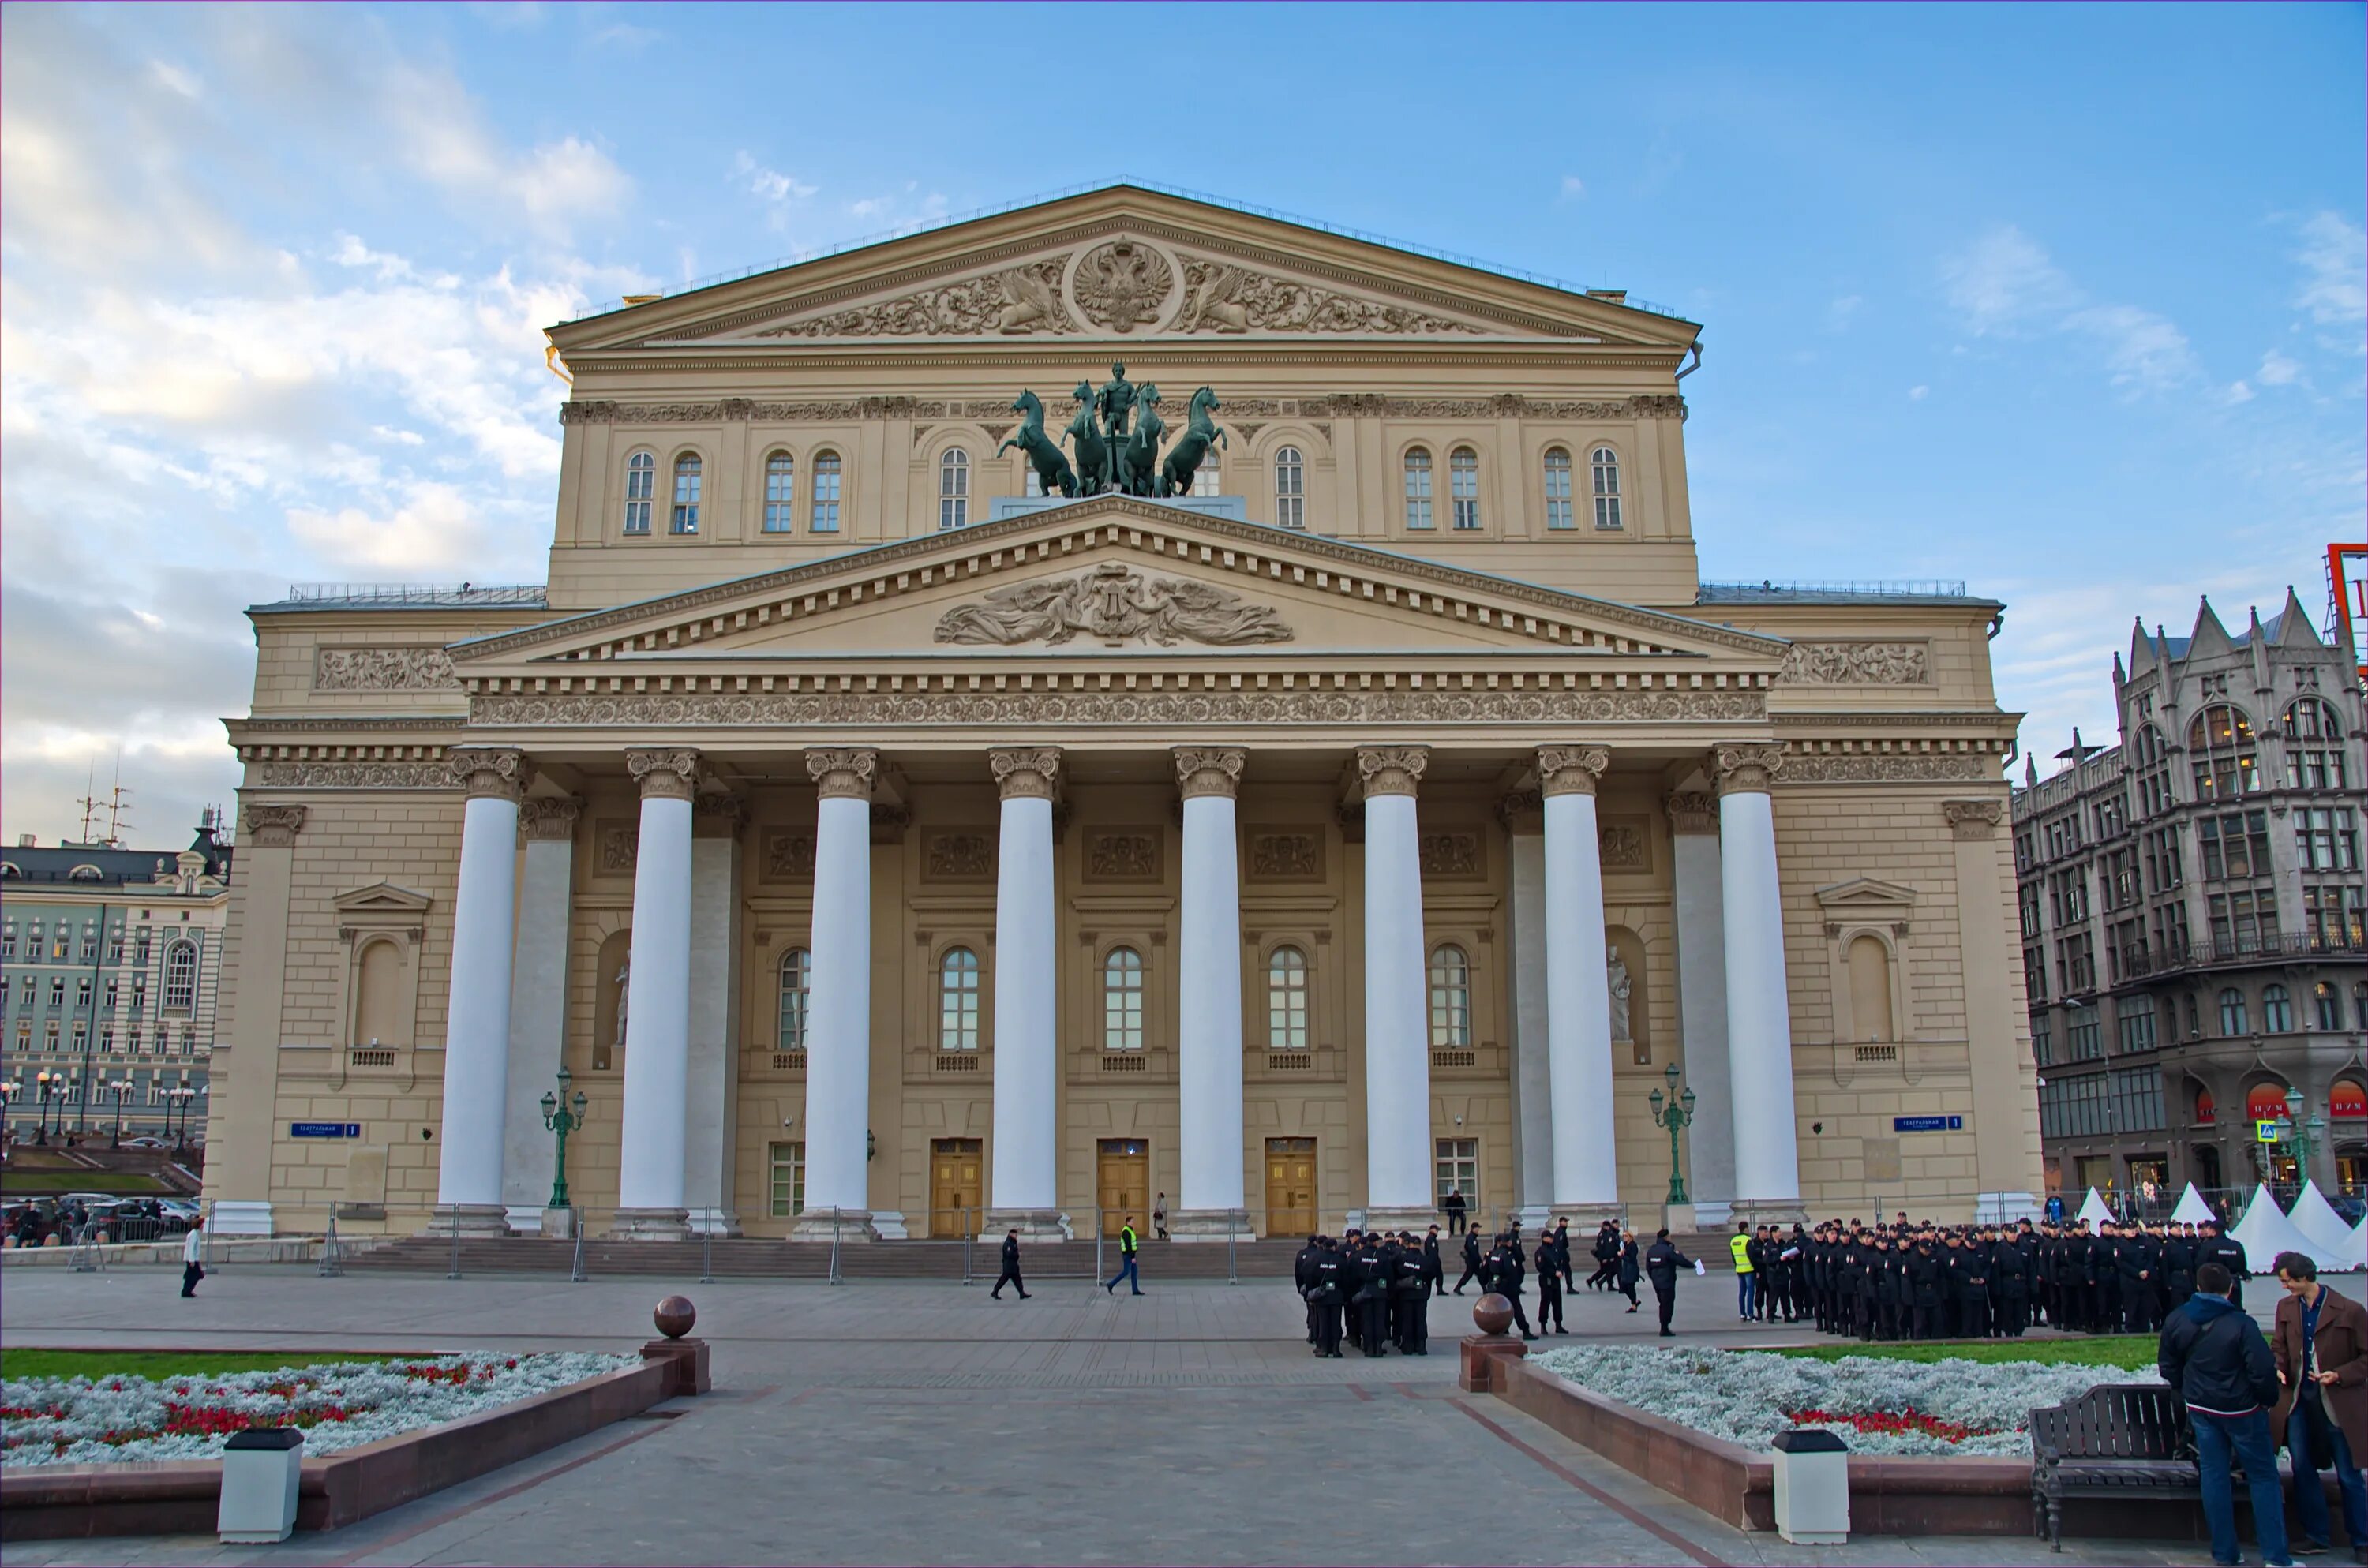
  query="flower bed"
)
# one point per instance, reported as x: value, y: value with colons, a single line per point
x: 339, y: 1405
x: 1878, y: 1406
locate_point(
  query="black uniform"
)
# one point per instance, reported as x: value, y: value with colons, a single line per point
x: 1606, y: 1253
x: 1302, y: 1278
x: 1324, y: 1294
x: 2178, y: 1272
x: 1010, y: 1275
x: 2229, y: 1253
x: 1412, y: 1303
x: 2138, y: 1259
x: 2011, y: 1272
x: 1661, y: 1264
x: 1434, y: 1273
x: 1627, y: 1264
x: 1549, y: 1292
x: 1372, y: 1301
x: 1471, y: 1263
x: 1502, y: 1272
x: 1974, y: 1305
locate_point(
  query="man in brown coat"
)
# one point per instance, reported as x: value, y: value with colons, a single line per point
x: 2320, y: 1344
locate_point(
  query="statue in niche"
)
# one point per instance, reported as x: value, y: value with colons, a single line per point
x: 624, y: 989
x: 1616, y: 981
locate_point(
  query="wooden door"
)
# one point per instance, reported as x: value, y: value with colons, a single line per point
x: 1290, y: 1186
x: 954, y: 1184
x: 1122, y: 1184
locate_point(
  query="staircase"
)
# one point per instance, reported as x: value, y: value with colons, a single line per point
x: 758, y: 1259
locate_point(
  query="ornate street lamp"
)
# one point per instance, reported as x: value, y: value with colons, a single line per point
x: 2306, y: 1134
x: 121, y: 1089
x: 180, y: 1098
x: 48, y: 1087
x: 1677, y: 1114
x: 9, y: 1090
x: 563, y: 1116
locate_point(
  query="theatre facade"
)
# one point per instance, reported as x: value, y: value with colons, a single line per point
x: 880, y: 836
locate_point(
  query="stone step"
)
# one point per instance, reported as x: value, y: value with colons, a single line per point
x: 756, y: 1257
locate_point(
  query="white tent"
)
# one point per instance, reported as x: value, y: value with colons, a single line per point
x: 2333, y: 1243
x: 2192, y: 1209
x: 2266, y: 1232
x: 2094, y: 1211
x: 2360, y: 1237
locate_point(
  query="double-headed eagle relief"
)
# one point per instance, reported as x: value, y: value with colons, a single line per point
x: 1116, y: 436
x: 1117, y: 604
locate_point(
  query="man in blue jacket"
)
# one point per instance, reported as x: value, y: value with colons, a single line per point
x: 2214, y: 1356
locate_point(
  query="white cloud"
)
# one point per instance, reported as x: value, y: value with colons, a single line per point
x: 2138, y: 347
x: 2006, y: 285
x: 1842, y: 312
x: 2335, y: 256
x: 2277, y: 371
x: 1919, y: 393
x: 1573, y: 188
x: 175, y: 78
x: 443, y: 135
x: 776, y: 190
x: 439, y: 531
x: 2237, y: 392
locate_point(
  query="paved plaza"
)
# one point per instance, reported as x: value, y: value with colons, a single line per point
x: 924, y: 1423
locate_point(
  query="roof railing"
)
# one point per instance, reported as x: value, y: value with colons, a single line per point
x: 932, y: 225
x: 532, y: 595
x: 1769, y: 591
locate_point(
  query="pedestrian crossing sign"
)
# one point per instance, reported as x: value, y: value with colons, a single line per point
x: 2265, y: 1132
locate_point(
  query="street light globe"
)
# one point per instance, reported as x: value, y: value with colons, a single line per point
x: 2293, y: 1103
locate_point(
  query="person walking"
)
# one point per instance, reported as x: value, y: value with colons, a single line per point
x: 1740, y: 1245
x: 1661, y: 1266
x: 193, y: 1252
x: 1128, y: 1241
x: 1472, y: 1259
x: 2215, y: 1358
x: 1627, y: 1265
x: 1010, y: 1274
x: 1434, y: 1272
x: 1159, y: 1217
x: 1562, y: 1253
x: 2320, y: 1344
x: 1502, y: 1272
x: 1606, y: 1253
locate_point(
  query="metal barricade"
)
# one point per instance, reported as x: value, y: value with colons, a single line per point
x: 575, y: 1223
x: 86, y: 1255
x: 332, y: 1262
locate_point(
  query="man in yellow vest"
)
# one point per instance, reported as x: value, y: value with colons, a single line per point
x: 1127, y: 1242
x: 1739, y: 1245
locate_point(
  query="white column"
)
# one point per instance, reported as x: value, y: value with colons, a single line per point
x: 711, y: 1097
x: 1209, y: 1000
x: 658, y: 1022
x: 1759, y: 1009
x: 1579, y: 999
x: 477, y: 1021
x: 1524, y: 817
x: 1397, y: 1037
x: 838, y: 1003
x: 1702, y: 1004
x: 538, y: 1003
x: 1026, y: 1191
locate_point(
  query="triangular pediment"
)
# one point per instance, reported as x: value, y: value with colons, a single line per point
x: 381, y: 898
x: 1114, y: 579
x: 1866, y: 898
x: 1119, y: 264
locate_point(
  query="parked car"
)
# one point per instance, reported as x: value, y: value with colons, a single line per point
x: 143, y: 1141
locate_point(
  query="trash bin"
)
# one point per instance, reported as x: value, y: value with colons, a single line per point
x: 1812, y: 1488
x: 261, y: 1468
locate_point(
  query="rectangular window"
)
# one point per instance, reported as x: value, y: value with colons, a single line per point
x: 1418, y: 490
x: 2042, y: 1051
x: 687, y: 480
x: 50, y: 1037
x: 114, y: 987
x: 780, y: 495
x: 106, y: 1041
x: 2035, y: 972
x: 2076, y: 965
x: 824, y: 519
x: 2134, y: 1023
x: 2084, y: 1034
x: 1458, y: 1168
x: 2333, y: 917
x: 89, y: 944
x: 789, y: 1180
x: 81, y: 1037
x: 82, y: 991
x: 57, y: 991
x: 8, y: 942
x: 1464, y: 491
x: 2327, y: 840
x: 641, y: 489
x: 1558, y: 492
x: 2136, y: 1100
x: 2244, y: 922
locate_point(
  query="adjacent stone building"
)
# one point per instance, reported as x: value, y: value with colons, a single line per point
x: 876, y: 838
x: 2193, y: 921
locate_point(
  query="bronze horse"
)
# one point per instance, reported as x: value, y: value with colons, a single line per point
x: 1138, y: 461
x: 1052, y: 467
x: 1093, y: 474
x: 1185, y: 457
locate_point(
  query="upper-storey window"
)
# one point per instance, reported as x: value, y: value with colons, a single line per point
x: 641, y: 486
x: 780, y: 494
x: 1559, y: 489
x: 958, y: 1000
x: 180, y: 976
x: 1286, y: 1000
x: 1418, y: 488
x: 2154, y: 772
x: 1450, y: 998
x: 2314, y: 737
x: 953, y: 489
x: 1289, y: 489
x: 1606, y: 464
x: 1463, y: 486
x: 824, y: 519
x: 1123, y: 1000
x: 797, y: 990
x: 2220, y: 750
x: 1208, y: 479
x: 685, y: 493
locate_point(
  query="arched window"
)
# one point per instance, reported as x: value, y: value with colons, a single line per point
x: 1463, y: 487
x: 181, y: 976
x: 823, y: 516
x: 780, y: 494
x: 1289, y: 489
x: 2232, y: 1012
x: 1558, y: 513
x: 378, y: 1013
x: 685, y: 493
x: 2205, y: 1107
x: 1286, y: 1000
x: 2154, y: 778
x: 2220, y: 750
x: 958, y: 1000
x: 2314, y: 737
x: 1418, y: 488
x: 641, y: 487
x: 1123, y: 1000
x: 1207, y: 478
x: 1870, y: 981
x: 1606, y: 464
x: 2328, y: 1004
x: 2265, y: 1102
x: 797, y: 983
x: 1450, y: 998
x: 953, y: 489
x: 2277, y: 1009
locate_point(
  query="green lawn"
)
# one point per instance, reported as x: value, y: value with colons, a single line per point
x: 44, y: 1184
x: 24, y: 1362
x: 2136, y: 1351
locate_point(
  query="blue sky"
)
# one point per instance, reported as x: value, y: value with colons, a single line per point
x: 2065, y: 302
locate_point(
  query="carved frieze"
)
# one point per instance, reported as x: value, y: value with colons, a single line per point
x: 616, y: 847
x: 1625, y: 844
x: 788, y: 857
x: 1122, y: 285
x: 1219, y: 295
x: 1857, y: 664
x: 1013, y: 302
x: 274, y: 827
x: 961, y: 856
x: 381, y: 669
x: 323, y: 775
x: 1914, y: 767
x: 1455, y: 856
x: 1117, y: 604
x: 1286, y: 855
x: 1122, y: 854
x: 603, y: 411
x: 1335, y: 405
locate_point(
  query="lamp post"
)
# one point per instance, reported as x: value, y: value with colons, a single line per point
x: 180, y: 1098
x: 1676, y: 1113
x: 2306, y: 1133
x: 9, y: 1089
x: 50, y: 1087
x: 563, y: 1116
x: 121, y: 1089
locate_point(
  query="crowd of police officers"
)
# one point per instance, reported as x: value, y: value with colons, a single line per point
x: 1372, y: 1290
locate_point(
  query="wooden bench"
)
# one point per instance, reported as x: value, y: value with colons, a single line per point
x: 2118, y: 1440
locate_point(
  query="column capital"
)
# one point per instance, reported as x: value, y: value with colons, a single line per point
x: 1210, y: 770
x: 1389, y: 770
x: 1571, y: 771
x: 489, y: 772
x: 274, y: 827
x: 669, y: 773
x: 546, y: 820
x: 843, y: 772
x: 1973, y: 819
x: 1026, y: 772
x: 1745, y: 768
x: 718, y: 816
x: 1692, y: 810
x: 1522, y: 811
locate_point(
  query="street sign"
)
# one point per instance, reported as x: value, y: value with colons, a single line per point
x: 1928, y: 1124
x: 2269, y: 1131
x: 324, y: 1130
